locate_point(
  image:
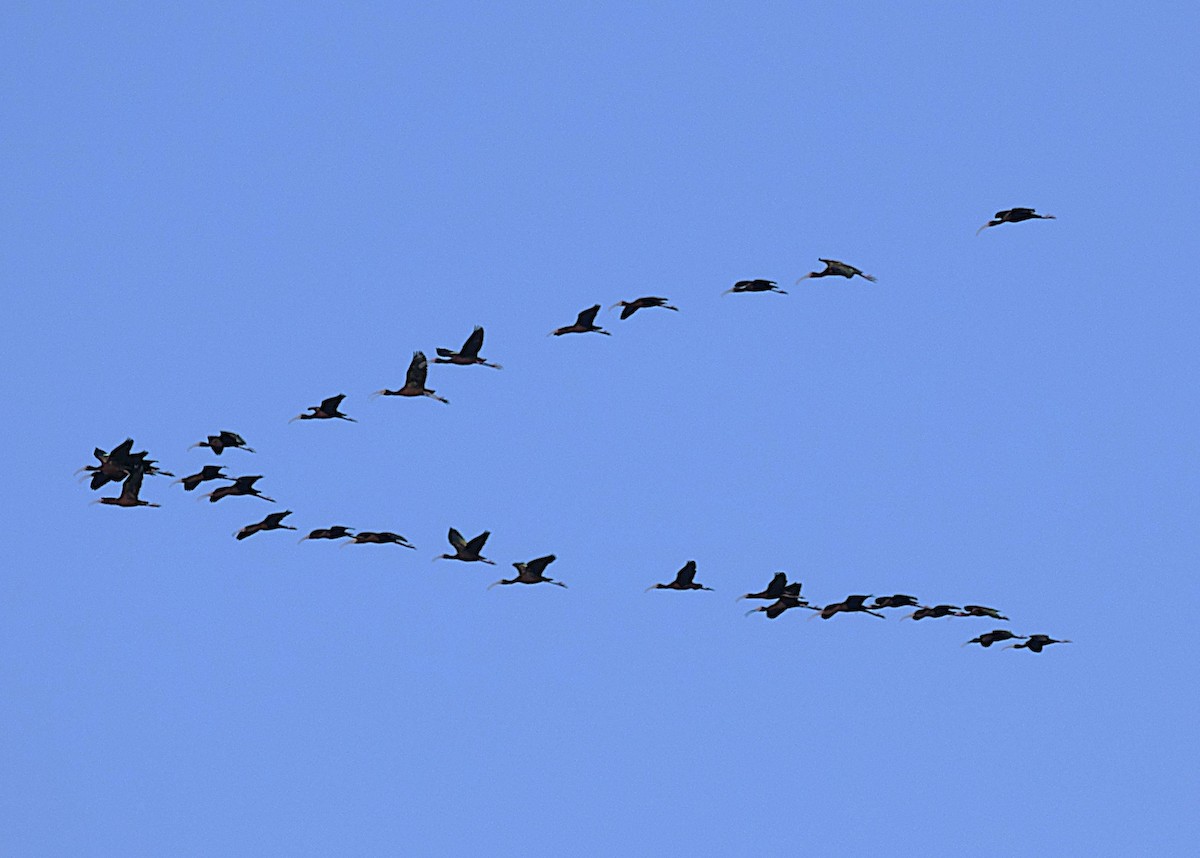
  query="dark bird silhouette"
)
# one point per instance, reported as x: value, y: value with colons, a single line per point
x: 788, y: 600
x: 685, y: 579
x: 381, y: 537
x: 899, y: 600
x: 849, y: 605
x: 754, y: 286
x: 208, y: 472
x: 981, y: 611
x: 992, y: 637
x: 834, y: 268
x: 414, y: 382
x: 1035, y: 643
x: 468, y: 552
x: 531, y: 573
x: 468, y: 355
x: 1014, y: 216
x: 129, y: 492
x: 338, y: 531
x: 240, y: 486
x: 633, y: 306
x: 774, y: 590
x: 225, y: 441
x: 113, y: 466
x: 585, y: 323
x: 274, y: 521
x: 327, y: 410
x: 937, y: 611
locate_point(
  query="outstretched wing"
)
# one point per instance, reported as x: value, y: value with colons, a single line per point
x: 456, y: 540
x: 473, y: 344
x: 629, y: 309
x: 587, y: 318
x: 133, y: 485
x: 778, y: 583
x: 417, y: 371
x: 538, y: 566
x: 476, y: 544
x: 275, y: 518
x: 120, y: 454
x: 246, y: 483
x: 687, y: 574
x: 332, y: 404
x: 232, y: 439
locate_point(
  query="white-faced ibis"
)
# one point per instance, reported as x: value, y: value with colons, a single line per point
x: 936, y: 612
x: 774, y: 589
x: 338, y: 531
x: 129, y: 492
x: 208, y: 472
x: 225, y: 441
x: 754, y: 286
x: 113, y: 466
x: 685, y: 579
x: 899, y: 600
x: 468, y: 355
x: 531, y: 573
x: 992, y: 637
x: 835, y: 268
x: 327, y: 410
x: 468, y: 552
x: 414, y: 382
x: 241, y: 486
x: 849, y: 605
x: 790, y: 598
x: 631, y: 307
x: 982, y: 611
x: 1014, y: 216
x: 585, y: 323
x: 1035, y: 643
x: 380, y: 537
x: 274, y: 521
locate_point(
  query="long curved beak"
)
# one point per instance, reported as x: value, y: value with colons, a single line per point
x: 751, y: 611
x: 93, y: 503
x: 618, y: 304
x: 294, y: 419
x: 493, y: 584
x: 248, y: 449
x: 805, y: 277
x: 80, y: 471
x: 981, y: 229
x: 197, y: 444
x: 375, y: 394
x: 301, y: 539
x: 651, y: 587
x: 727, y: 291
x: 406, y: 545
x: 344, y: 544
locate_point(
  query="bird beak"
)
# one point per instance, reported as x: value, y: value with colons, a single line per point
x: 651, y: 587
x: 726, y: 292
x: 618, y: 304
x: 490, y: 586
x: 301, y: 539
x: 406, y: 545
x: 375, y: 394
x: 751, y: 611
x: 294, y: 419
x: 93, y: 503
x: 805, y: 277
x: 194, y: 446
x: 981, y: 229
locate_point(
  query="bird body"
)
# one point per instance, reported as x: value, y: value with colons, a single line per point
x: 274, y: 521
x: 982, y: 611
x: 774, y: 590
x: 685, y: 579
x: 1014, y: 216
x: 585, y: 323
x: 788, y: 599
x: 226, y: 440
x: 208, y: 472
x: 992, y: 637
x: 1035, y: 643
x: 414, y: 382
x: 837, y: 268
x: 849, y: 605
x: 467, y: 551
x: 631, y: 307
x: 899, y: 600
x: 381, y: 537
x: 241, y: 486
x: 327, y: 410
x: 468, y: 355
x: 338, y: 531
x: 531, y: 573
x: 754, y: 286
x: 129, y: 492
x: 937, y: 611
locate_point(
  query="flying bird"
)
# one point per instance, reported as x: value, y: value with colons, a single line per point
x: 631, y: 307
x: 382, y: 537
x: 531, y: 573
x: 113, y: 466
x: 338, y: 531
x: 414, y: 382
x: 992, y: 637
x: 274, y: 521
x: 834, y: 268
x: 937, y: 612
x: 849, y: 605
x: 585, y: 323
x: 982, y: 611
x: 241, y: 486
x: 208, y: 472
x: 774, y: 589
x: 754, y: 286
x: 899, y: 600
x: 790, y: 598
x: 685, y: 579
x: 327, y: 410
x: 468, y: 355
x: 225, y: 441
x: 129, y: 492
x: 1035, y: 643
x: 1014, y: 216
x: 468, y: 552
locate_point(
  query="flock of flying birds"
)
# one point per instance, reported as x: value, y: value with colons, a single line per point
x: 122, y: 465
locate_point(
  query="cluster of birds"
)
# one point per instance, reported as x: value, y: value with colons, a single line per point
x: 122, y: 465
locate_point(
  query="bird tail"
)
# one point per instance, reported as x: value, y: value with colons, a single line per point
x: 445, y: 352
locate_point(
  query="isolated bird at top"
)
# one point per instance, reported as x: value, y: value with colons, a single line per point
x: 414, y: 381
x: 468, y: 355
x: 631, y: 307
x: 585, y: 323
x: 834, y: 268
x: 1014, y: 216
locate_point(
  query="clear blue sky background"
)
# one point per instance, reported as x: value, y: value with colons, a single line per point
x: 216, y: 216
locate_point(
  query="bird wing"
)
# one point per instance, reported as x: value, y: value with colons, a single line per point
x: 476, y: 544
x: 332, y: 404
x: 120, y: 453
x: 247, y: 482
x: 687, y: 574
x: 276, y: 517
x: 231, y: 439
x: 538, y: 566
x: 456, y: 540
x: 778, y: 584
x: 133, y: 485
x: 418, y: 370
x: 473, y: 344
x: 587, y: 318
x: 629, y: 309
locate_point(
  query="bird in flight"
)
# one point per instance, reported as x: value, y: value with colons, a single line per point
x: 240, y: 486
x: 899, y: 600
x: 531, y: 573
x: 936, y: 612
x: 585, y: 323
x: 225, y: 441
x: 774, y: 589
x: 1014, y: 216
x: 327, y: 410
x: 992, y: 637
x: 834, y: 268
x: 1035, y: 643
x: 129, y: 492
x: 982, y: 611
x: 685, y: 579
x: 414, y: 381
x: 631, y: 307
x: 274, y: 521
x: 754, y: 286
x: 789, y: 598
x: 208, y: 472
x: 381, y: 537
x: 468, y: 355
x: 849, y: 605
x: 338, y: 531
x: 468, y: 552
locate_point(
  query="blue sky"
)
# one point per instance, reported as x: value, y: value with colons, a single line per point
x: 216, y: 216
